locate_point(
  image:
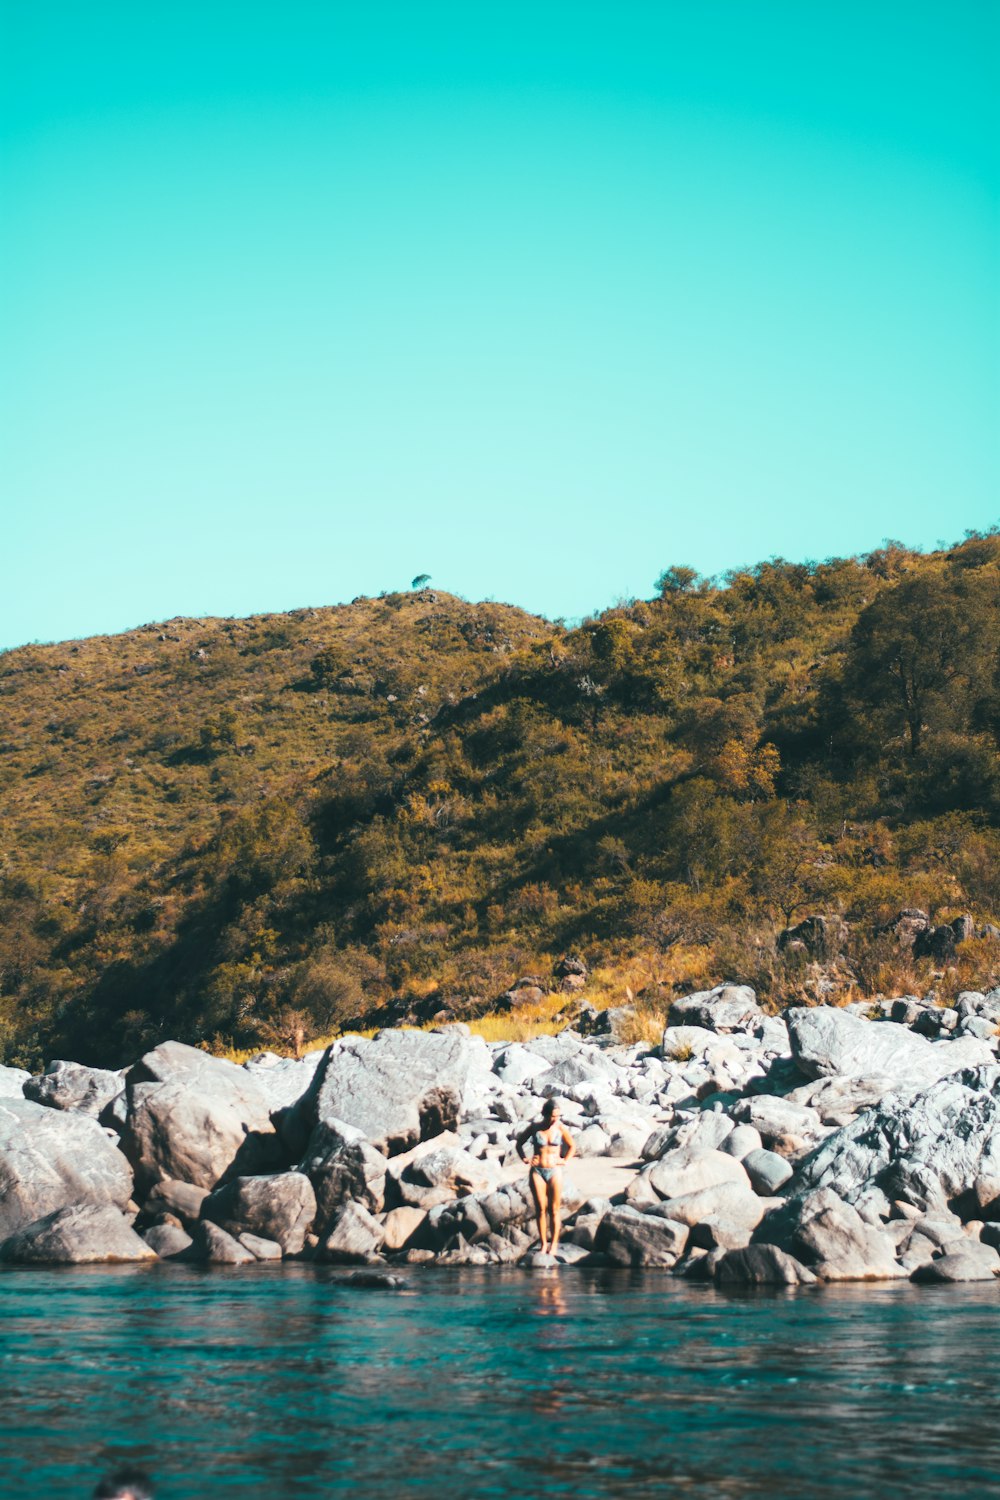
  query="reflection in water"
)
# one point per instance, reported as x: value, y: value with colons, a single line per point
x: 285, y: 1381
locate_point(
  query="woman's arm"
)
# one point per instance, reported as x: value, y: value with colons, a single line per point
x: 521, y: 1140
x: 568, y: 1141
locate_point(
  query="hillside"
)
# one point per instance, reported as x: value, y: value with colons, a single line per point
x: 233, y: 831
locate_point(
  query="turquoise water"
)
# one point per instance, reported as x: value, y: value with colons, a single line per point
x: 287, y: 1381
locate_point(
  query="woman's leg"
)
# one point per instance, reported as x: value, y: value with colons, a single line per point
x: 554, y: 1206
x: 539, y: 1189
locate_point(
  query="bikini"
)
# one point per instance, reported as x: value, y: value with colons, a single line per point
x: 541, y: 1140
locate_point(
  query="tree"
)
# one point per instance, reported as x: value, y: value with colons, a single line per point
x: 677, y: 580
x: 420, y: 580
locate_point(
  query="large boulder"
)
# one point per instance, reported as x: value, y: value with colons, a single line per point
x: 827, y: 1042
x: 76, y: 1235
x: 396, y: 1089
x: 354, y: 1236
x: 830, y: 1238
x: 353, y: 1172
x: 282, y: 1080
x: 761, y: 1265
x: 630, y: 1238
x: 727, y: 1007
x: 12, y: 1081
x: 280, y: 1208
x: 690, y: 1169
x: 69, y: 1085
x: 53, y: 1159
x: 195, y: 1118
x: 919, y: 1146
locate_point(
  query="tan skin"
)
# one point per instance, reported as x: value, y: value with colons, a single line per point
x: 548, y: 1153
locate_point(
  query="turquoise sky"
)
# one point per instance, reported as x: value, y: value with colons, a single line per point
x: 298, y: 300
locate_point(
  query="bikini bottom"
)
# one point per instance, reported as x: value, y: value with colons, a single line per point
x: 547, y: 1174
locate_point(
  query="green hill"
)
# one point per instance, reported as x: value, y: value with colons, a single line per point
x: 232, y: 830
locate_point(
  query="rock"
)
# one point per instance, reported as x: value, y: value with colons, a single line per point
x: 69, y: 1085
x: 767, y: 1171
x: 926, y: 1147
x: 168, y: 1241
x: 77, y: 1235
x: 707, y: 1131
x: 569, y: 964
x: 374, y: 1280
x: 689, y: 1169
x: 399, y: 1088
x: 218, y: 1248
x: 761, y: 1265
x: 583, y: 1067
x: 830, y: 1238
x: 741, y: 1141
x: 259, y: 1248
x: 53, y: 1159
x: 778, y: 1119
x: 355, y: 1172
x: 355, y: 1235
x: 732, y: 1201
x: 12, y: 1081
x: 193, y: 1118
x: 401, y: 1227
x: 451, y: 1170
x: 972, y: 1262
x: 282, y: 1080
x: 180, y: 1198
x: 826, y: 1041
x: 630, y: 1238
x: 540, y: 1261
x: 281, y: 1207
x: 717, y: 1233
x: 516, y: 1065
x: 837, y: 1100
x: 680, y: 1043
x: 728, y: 1007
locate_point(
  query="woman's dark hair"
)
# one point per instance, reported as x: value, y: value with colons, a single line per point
x: 549, y: 1108
x: 125, y: 1484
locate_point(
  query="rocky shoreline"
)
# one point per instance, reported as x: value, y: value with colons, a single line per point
x: 821, y: 1145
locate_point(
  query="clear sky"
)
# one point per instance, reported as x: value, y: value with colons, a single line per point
x: 299, y: 298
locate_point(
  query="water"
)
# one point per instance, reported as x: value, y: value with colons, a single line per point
x: 285, y: 1381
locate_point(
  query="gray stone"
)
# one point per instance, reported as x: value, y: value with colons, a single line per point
x: 180, y: 1198
x: 398, y: 1088
x: 281, y: 1207
x: 689, y: 1169
x: 193, y: 1118
x: 717, y: 1233
x: 926, y: 1147
x: 216, y: 1247
x: 761, y: 1265
x: 831, y: 1238
x: 826, y: 1041
x: 630, y: 1238
x: 837, y: 1100
x: 168, y: 1241
x: 12, y: 1081
x: 778, y: 1119
x: 732, y: 1201
x: 741, y: 1141
x: 69, y: 1085
x: 402, y: 1227
x: 77, y: 1235
x: 355, y: 1172
x: 52, y: 1159
x: 260, y: 1249
x: 728, y: 1007
x: 768, y: 1172
x: 355, y: 1235
x: 971, y: 1262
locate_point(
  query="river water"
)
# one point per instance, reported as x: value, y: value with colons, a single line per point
x: 288, y: 1381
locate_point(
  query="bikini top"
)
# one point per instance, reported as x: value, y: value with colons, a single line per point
x: 541, y: 1139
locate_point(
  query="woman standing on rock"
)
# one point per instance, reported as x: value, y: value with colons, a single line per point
x: 548, y: 1136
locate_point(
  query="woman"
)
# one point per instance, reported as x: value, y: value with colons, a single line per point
x: 548, y: 1136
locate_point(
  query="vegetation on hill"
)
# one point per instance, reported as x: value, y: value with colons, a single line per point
x: 243, y: 831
